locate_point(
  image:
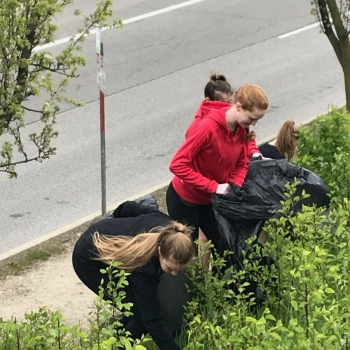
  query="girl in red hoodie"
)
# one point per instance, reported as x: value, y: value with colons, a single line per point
x: 213, y: 156
x: 219, y: 89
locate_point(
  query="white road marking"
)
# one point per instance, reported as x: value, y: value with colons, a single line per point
x: 127, y: 21
x: 300, y: 30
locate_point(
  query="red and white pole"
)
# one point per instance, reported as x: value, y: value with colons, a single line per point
x: 101, y: 82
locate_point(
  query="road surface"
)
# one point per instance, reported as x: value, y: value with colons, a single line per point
x: 156, y: 71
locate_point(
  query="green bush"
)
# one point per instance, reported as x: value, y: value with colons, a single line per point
x: 324, y: 148
x: 46, y: 330
x: 308, y: 302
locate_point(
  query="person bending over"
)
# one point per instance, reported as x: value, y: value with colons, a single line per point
x: 147, y: 243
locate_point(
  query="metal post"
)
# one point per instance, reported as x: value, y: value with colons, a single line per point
x: 101, y: 82
x: 103, y: 147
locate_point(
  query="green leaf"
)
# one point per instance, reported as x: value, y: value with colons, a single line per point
x: 294, y: 304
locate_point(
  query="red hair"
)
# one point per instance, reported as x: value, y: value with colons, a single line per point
x: 251, y: 97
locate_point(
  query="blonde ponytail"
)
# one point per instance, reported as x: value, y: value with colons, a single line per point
x: 174, y: 240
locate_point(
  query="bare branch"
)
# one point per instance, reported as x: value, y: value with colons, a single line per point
x: 32, y: 110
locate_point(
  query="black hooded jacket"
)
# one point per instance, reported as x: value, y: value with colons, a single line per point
x: 130, y: 218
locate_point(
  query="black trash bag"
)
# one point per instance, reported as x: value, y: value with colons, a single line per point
x: 259, y: 199
x: 263, y: 190
x: 147, y: 200
x: 241, y: 214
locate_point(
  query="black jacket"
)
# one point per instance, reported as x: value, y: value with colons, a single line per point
x: 270, y: 151
x: 130, y: 218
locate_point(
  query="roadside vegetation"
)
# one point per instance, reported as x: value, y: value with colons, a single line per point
x: 308, y: 290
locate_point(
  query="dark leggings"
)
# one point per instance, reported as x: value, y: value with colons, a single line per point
x: 195, y: 215
x: 172, y: 295
x: 134, y: 323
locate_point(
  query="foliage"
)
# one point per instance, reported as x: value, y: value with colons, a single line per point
x: 32, y: 76
x: 46, y: 330
x: 324, y: 148
x: 308, y: 289
x: 308, y: 294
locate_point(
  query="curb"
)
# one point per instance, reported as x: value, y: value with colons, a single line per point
x: 51, y: 235
x: 20, y: 249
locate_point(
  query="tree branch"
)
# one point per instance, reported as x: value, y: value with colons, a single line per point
x: 23, y: 71
x: 26, y: 160
x: 337, y: 20
x: 328, y: 30
x: 32, y: 110
x: 61, y: 71
x: 12, y: 173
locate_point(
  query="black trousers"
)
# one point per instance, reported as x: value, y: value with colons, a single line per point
x: 197, y: 216
x: 172, y: 295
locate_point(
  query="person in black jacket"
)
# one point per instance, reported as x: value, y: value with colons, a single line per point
x: 285, y: 144
x: 126, y: 238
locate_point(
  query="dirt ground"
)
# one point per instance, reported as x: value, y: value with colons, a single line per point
x: 27, y: 283
x: 53, y: 284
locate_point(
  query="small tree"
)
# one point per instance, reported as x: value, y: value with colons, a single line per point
x: 333, y: 16
x: 26, y: 73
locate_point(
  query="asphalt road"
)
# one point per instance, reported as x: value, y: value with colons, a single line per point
x: 156, y: 71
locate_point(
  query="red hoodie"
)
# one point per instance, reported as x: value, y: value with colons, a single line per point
x: 204, y: 108
x: 210, y: 155
x: 252, y: 148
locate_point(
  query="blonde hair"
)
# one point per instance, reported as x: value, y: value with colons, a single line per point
x: 251, y: 96
x: 286, y: 140
x: 174, y: 241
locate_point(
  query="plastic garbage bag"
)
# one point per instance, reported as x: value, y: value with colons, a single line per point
x: 147, y: 200
x: 242, y: 212
x: 263, y: 190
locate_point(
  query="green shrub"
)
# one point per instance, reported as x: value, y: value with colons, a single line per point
x: 308, y: 305
x: 324, y: 148
x: 46, y: 330
x: 308, y: 302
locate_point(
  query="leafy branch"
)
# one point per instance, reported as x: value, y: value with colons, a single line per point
x: 27, y: 73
